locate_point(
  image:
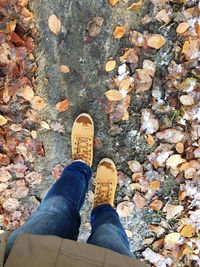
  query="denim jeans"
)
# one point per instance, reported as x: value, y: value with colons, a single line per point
x: 58, y: 214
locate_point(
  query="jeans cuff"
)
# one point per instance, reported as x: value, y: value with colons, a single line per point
x: 103, y: 207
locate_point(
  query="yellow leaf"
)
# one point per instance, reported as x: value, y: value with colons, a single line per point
x: 38, y: 103
x: 113, y: 2
x: 64, y: 68
x: 114, y: 95
x: 126, y: 84
x: 3, y: 120
x: 187, y: 231
x: 154, y: 185
x: 156, y: 41
x: 27, y: 93
x: 63, y: 105
x: 174, y: 160
x: 135, y: 6
x: 110, y: 65
x: 119, y: 32
x: 54, y: 24
x: 182, y: 27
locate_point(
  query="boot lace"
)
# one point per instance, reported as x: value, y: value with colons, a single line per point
x: 103, y: 193
x: 82, y: 149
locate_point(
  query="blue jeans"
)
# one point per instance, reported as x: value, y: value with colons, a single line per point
x: 58, y: 214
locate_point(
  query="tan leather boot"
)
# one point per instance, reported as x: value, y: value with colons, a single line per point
x: 82, y: 138
x: 106, y: 183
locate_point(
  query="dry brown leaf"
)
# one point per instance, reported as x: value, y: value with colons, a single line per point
x: 64, y: 69
x: 125, y: 84
x: 135, y: 166
x: 187, y: 100
x: 130, y: 55
x: 94, y: 26
x: 119, y: 32
x: 3, y: 120
x: 154, y: 185
x: 149, y: 67
x: 38, y: 103
x: 135, y: 6
x: 156, y: 229
x: 63, y: 105
x: 110, y: 65
x: 182, y: 27
x: 156, y: 41
x: 172, y: 210
x: 54, y: 24
x: 156, y: 205
x: 191, y: 48
x: 139, y: 201
x: 27, y: 93
x: 113, y: 2
x: 114, y: 95
x: 137, y: 38
x: 174, y: 160
x: 170, y: 135
x: 136, y: 176
x: 10, y: 26
x: 163, y: 16
x: 187, y: 231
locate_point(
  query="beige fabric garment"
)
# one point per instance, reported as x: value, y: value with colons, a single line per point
x: 51, y: 251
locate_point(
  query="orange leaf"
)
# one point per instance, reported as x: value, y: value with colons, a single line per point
x: 119, y: 32
x: 150, y: 140
x: 113, y: 2
x: 182, y: 27
x: 63, y: 105
x: 156, y: 205
x: 54, y: 24
x: 64, y: 68
x: 163, y: 16
x: 156, y: 41
x: 114, y: 95
x: 187, y: 231
x: 135, y: 6
x: 154, y: 185
x: 110, y: 65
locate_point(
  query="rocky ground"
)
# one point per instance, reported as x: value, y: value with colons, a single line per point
x: 139, y: 82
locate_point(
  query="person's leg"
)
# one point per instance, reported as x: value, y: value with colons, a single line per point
x: 58, y: 214
x: 107, y: 230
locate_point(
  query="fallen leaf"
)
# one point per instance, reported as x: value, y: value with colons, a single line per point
x: 129, y: 233
x: 125, y: 209
x: 64, y: 69
x: 139, y: 201
x: 110, y: 65
x: 38, y: 103
x: 163, y: 16
x: 4, y: 160
x: 10, y: 26
x: 150, y: 123
x: 130, y: 55
x: 156, y: 41
x: 156, y: 205
x: 27, y: 93
x: 159, y: 230
x: 170, y: 135
x: 113, y: 2
x: 57, y: 171
x: 135, y: 6
x: 171, y: 240
x: 135, y: 166
x: 63, y: 105
x: 172, y: 210
x: 136, y: 176
x: 154, y: 185
x: 57, y: 127
x: 149, y: 67
x: 119, y: 32
x: 187, y: 231
x: 114, y: 95
x: 191, y: 48
x: 94, y: 26
x: 3, y: 120
x: 10, y: 204
x: 180, y: 147
x: 182, y: 27
x: 54, y: 24
x: 174, y: 160
x: 150, y: 140
x: 156, y: 259
x: 126, y: 84
x: 44, y: 125
x: 187, y: 100
x: 137, y: 38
